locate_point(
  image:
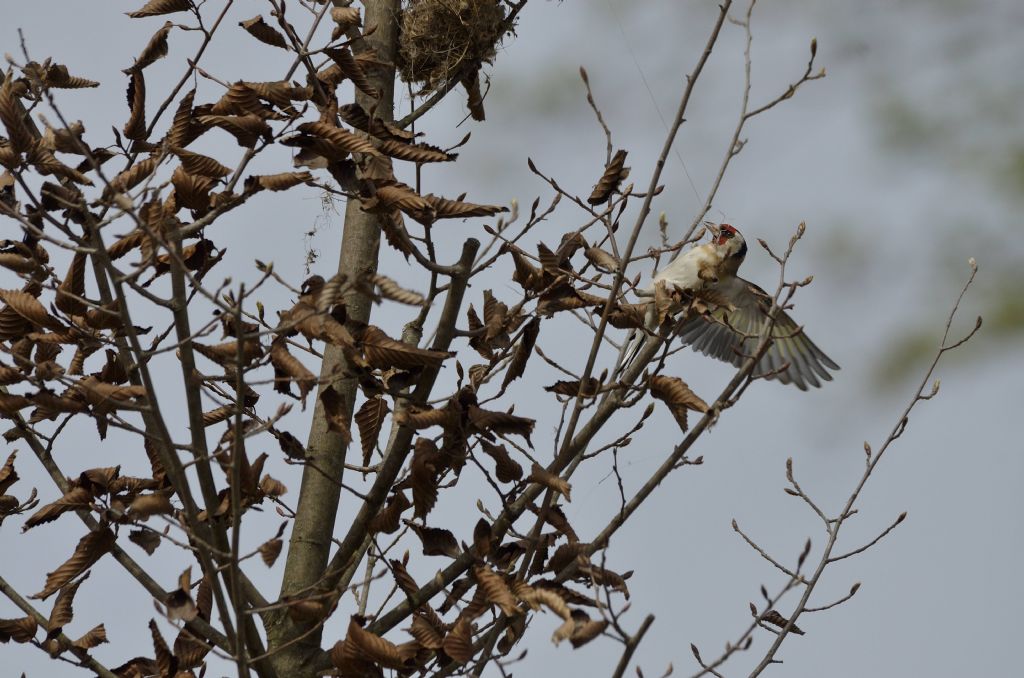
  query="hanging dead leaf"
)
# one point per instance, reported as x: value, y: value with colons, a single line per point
x: 154, y: 50
x: 507, y: 470
x: 346, y: 18
x: 157, y: 7
x: 502, y: 423
x: 601, y: 259
x: 614, y: 174
x: 76, y: 498
x: 288, y: 368
x: 339, y: 142
x: 426, y: 634
x: 383, y: 352
x: 264, y: 32
x: 135, y: 128
x: 775, y: 619
x: 351, y: 69
x: 418, y: 153
x: 8, y: 476
x: 369, y: 420
x: 524, y: 350
x: 337, y: 414
x: 129, y: 179
x: 389, y: 519
x: 539, y: 474
x: 270, y: 550
x: 147, y: 540
x: 246, y: 129
x: 90, y: 549
x: 21, y: 630
x: 62, y: 612
x: 423, y: 473
x: 97, y: 635
x: 276, y: 182
x: 389, y: 289
x: 436, y: 541
x: 674, y: 392
x: 29, y: 308
x: 201, y: 165
x: 496, y: 590
x: 571, y: 389
x: 378, y: 650
x: 458, y: 644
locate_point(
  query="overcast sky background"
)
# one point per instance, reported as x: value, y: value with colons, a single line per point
x: 905, y: 161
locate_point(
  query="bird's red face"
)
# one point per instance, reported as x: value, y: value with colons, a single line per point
x: 725, y: 234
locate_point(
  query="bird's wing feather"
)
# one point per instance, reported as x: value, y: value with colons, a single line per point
x: 732, y: 334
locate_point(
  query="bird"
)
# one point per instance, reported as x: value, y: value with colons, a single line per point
x: 730, y: 330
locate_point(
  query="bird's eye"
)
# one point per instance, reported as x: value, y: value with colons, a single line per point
x: 726, y: 234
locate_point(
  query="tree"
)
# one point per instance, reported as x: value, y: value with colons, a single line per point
x: 443, y: 432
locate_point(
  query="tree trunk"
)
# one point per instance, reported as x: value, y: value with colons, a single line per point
x: 319, y: 495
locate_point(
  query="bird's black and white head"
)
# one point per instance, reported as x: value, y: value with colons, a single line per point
x: 731, y: 242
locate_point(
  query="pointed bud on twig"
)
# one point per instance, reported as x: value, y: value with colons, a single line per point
x: 735, y: 525
x: 935, y: 387
x: 803, y: 556
x: 583, y: 75
x: 973, y: 264
x: 901, y: 518
x: 854, y: 588
x: 867, y: 449
x: 814, y: 47
x: 696, y: 654
x: 753, y: 610
x: 789, y: 470
x: 764, y: 592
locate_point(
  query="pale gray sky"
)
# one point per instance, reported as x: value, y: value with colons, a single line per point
x: 902, y: 163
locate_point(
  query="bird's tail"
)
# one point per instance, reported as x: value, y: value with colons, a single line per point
x: 636, y: 341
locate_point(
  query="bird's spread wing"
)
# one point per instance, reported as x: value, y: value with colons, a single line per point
x: 732, y: 334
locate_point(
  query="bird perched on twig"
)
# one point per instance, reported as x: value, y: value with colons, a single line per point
x: 731, y: 329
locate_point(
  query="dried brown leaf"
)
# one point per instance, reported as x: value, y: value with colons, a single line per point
x: 157, y: 7
x: 502, y: 423
x: 614, y: 174
x: 270, y: 550
x: 246, y: 129
x: 437, y: 541
x: 496, y: 590
x: 8, y: 476
x: 601, y: 259
x: 76, y: 498
x: 276, y: 182
x: 90, y: 549
x: 201, y: 165
x: 389, y: 519
x: 97, y: 635
x: 539, y: 474
x: 337, y: 413
x: 135, y: 128
x: 507, y: 470
x: 155, y: 49
x: 147, y: 540
x: 389, y: 289
x: 369, y: 420
x: 457, y: 209
x: 458, y: 644
x: 62, y: 612
x: 264, y: 32
x: 674, y: 392
x: 383, y: 352
x: 288, y: 368
x: 21, y: 630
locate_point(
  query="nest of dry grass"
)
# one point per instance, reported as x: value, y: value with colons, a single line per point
x: 440, y: 38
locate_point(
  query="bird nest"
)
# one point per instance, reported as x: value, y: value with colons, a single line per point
x: 445, y: 39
